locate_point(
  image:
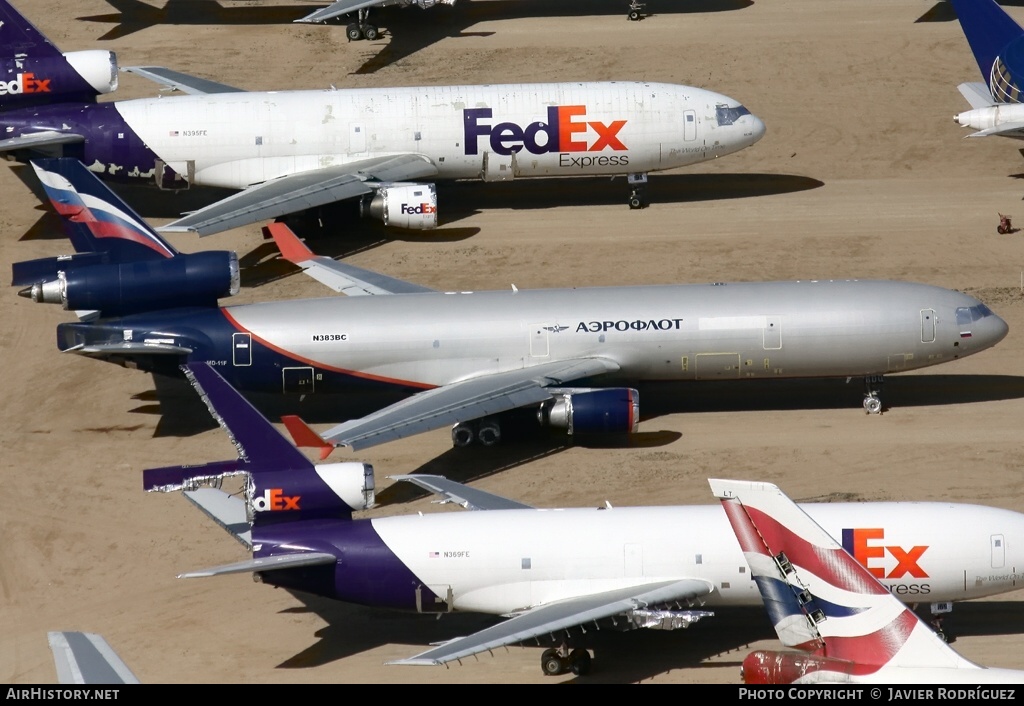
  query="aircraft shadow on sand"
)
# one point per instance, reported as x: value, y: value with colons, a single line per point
x: 943, y: 12
x: 407, y: 29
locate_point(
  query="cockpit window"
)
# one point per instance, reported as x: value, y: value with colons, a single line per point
x: 727, y: 116
x: 965, y: 315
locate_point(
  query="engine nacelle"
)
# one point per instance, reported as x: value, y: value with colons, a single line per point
x: 71, y: 77
x: 767, y: 667
x: 336, y: 489
x: 990, y: 117
x: 586, y: 411
x: 198, y: 279
x: 403, y: 205
x: 97, y: 67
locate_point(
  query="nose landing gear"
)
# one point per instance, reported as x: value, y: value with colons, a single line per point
x: 638, y: 195
x: 873, y: 394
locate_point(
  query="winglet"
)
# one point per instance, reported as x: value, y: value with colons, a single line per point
x: 304, y: 437
x: 292, y: 249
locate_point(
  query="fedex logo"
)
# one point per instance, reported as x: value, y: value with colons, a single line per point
x: 565, y: 131
x: 24, y: 83
x: 274, y: 499
x: 419, y: 209
x: 866, y: 545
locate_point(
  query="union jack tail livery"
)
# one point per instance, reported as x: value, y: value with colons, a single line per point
x: 848, y: 626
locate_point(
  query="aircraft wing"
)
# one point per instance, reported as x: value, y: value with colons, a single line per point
x: 547, y: 619
x: 469, y: 498
x: 178, y: 81
x: 464, y: 401
x: 298, y: 192
x: 86, y: 658
x: 269, y: 563
x: 977, y: 94
x: 341, y: 7
x: 339, y: 276
x: 43, y: 138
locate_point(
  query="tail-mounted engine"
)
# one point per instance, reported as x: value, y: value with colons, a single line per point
x: 584, y: 411
x: 403, y: 205
x: 75, y: 76
x: 85, y: 282
x: 767, y: 667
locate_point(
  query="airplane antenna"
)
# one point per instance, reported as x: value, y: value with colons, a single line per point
x: 514, y: 287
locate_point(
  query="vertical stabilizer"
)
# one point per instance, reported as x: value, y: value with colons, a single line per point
x: 993, y: 36
x: 20, y: 38
x: 819, y: 598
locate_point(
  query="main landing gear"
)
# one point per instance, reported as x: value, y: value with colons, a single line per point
x: 638, y: 195
x: 559, y: 660
x: 486, y: 432
x: 362, y: 29
x: 637, y: 11
x: 873, y: 394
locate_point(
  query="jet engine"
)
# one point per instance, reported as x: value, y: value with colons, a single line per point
x: 403, y: 205
x: 97, y: 67
x: 765, y: 667
x: 82, y: 283
x: 287, y: 493
x: 991, y: 117
x: 586, y: 411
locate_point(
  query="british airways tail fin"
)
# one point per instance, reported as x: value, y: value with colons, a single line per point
x: 96, y: 219
x: 820, y: 599
x: 33, y: 71
x: 994, y: 37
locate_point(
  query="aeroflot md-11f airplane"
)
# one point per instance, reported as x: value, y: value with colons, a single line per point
x: 848, y: 624
x: 465, y: 358
x: 630, y: 567
x: 289, y: 151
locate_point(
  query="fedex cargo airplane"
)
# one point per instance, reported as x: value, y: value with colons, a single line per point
x: 632, y: 567
x: 469, y: 359
x: 996, y: 40
x: 838, y: 611
x: 289, y: 151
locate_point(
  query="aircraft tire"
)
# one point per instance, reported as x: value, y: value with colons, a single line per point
x: 552, y: 663
x: 635, y: 203
x: 579, y: 662
x: 371, y: 32
x: 354, y: 32
x: 872, y: 405
x: 634, y: 16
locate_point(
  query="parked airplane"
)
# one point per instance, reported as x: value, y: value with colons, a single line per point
x: 86, y: 658
x: 363, y: 29
x: 34, y: 72
x: 848, y: 624
x: 655, y: 567
x: 996, y: 40
x: 289, y: 151
x: 466, y: 358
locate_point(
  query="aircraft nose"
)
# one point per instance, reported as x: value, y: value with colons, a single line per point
x: 755, y: 127
x: 994, y: 329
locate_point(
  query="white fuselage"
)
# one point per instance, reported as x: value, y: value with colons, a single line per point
x: 495, y: 132
x: 506, y: 560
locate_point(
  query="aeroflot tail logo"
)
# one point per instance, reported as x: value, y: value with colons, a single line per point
x: 567, y: 130
x: 866, y: 546
x: 24, y: 83
x: 274, y: 499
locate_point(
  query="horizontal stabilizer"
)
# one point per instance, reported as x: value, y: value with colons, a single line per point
x: 1003, y: 129
x: 86, y: 658
x: 469, y: 498
x: 171, y: 478
x: 976, y: 94
x: 228, y: 511
x: 178, y: 81
x: 47, y: 138
x: 270, y: 563
x: 127, y: 348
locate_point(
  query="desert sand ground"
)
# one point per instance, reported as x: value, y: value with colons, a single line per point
x: 862, y: 174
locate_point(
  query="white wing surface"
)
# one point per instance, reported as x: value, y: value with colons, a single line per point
x: 467, y: 497
x: 43, y: 138
x: 341, y: 7
x: 301, y: 191
x: 464, y: 401
x: 562, y: 615
x: 178, y: 81
x: 86, y: 658
x: 339, y: 276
